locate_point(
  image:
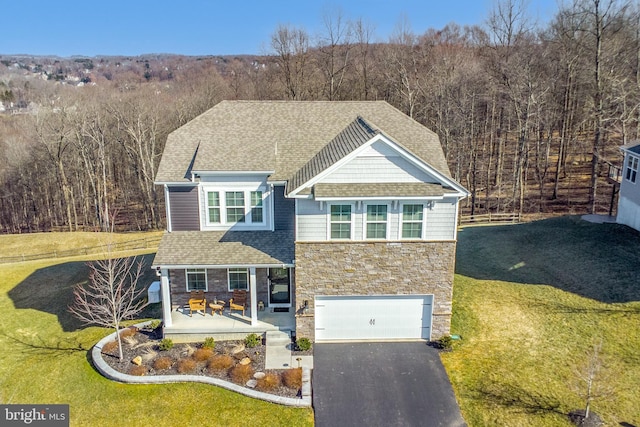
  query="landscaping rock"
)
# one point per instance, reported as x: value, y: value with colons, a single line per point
x: 245, y: 361
x: 252, y: 383
x: 259, y: 375
x: 137, y: 360
x: 238, y: 349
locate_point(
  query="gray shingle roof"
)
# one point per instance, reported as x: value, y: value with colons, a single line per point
x: 633, y: 146
x: 403, y: 189
x: 225, y: 248
x: 283, y: 136
x: 349, y: 139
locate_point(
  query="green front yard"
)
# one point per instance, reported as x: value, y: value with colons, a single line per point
x: 44, y: 359
x: 530, y: 301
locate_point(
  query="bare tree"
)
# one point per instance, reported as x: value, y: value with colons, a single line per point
x: 592, y: 379
x: 111, y: 295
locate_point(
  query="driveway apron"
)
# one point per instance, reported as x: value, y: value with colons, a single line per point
x: 382, y: 384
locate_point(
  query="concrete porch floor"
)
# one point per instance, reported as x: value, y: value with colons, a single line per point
x: 229, y: 326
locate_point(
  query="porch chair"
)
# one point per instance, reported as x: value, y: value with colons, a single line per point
x: 239, y: 301
x: 197, y: 302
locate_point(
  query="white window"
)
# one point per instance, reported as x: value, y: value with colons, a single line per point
x: 376, y: 220
x: 235, y: 206
x: 412, y: 221
x: 257, y: 214
x: 632, y: 169
x: 213, y: 207
x: 196, y: 279
x: 340, y: 222
x: 238, y: 279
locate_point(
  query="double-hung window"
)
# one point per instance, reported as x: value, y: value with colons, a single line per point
x: 196, y: 279
x: 376, y: 222
x: 632, y: 169
x: 256, y: 206
x: 213, y: 207
x: 235, y: 206
x: 412, y: 215
x: 340, y: 219
x: 238, y: 279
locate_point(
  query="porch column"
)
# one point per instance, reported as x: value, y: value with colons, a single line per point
x: 165, y: 292
x: 254, y: 296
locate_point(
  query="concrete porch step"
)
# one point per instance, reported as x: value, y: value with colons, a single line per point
x: 277, y: 338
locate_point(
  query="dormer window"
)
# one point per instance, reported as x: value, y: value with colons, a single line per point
x: 228, y: 207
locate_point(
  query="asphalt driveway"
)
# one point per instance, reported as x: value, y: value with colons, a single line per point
x: 382, y: 384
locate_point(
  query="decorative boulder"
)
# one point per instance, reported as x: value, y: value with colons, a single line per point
x: 252, y: 383
x: 238, y: 349
x: 259, y: 375
x: 245, y: 361
x: 137, y: 360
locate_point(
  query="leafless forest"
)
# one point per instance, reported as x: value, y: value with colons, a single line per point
x: 528, y: 114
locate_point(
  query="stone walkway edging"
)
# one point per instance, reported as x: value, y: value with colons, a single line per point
x: 110, y: 373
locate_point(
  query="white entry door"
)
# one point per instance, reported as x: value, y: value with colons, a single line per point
x: 373, y: 317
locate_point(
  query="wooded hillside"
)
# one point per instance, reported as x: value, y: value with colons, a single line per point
x: 527, y: 115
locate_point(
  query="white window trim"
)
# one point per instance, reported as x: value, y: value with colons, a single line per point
x: 365, y: 221
x: 196, y: 270
x: 631, y: 169
x: 401, y: 220
x: 352, y: 227
x: 222, y: 198
x: 246, y: 270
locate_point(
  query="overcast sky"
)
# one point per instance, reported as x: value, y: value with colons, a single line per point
x: 211, y: 27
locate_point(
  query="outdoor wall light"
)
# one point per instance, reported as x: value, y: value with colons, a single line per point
x: 305, y: 308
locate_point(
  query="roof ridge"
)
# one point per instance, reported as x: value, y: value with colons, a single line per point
x: 353, y: 136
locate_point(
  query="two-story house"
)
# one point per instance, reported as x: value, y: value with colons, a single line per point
x: 342, y: 215
x: 629, y: 198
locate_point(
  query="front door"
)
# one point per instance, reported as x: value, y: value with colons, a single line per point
x: 279, y: 287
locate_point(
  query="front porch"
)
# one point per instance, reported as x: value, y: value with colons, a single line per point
x: 228, y: 326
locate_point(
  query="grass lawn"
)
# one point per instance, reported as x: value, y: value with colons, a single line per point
x: 530, y: 301
x: 44, y: 354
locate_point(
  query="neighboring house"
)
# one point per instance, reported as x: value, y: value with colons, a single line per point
x: 343, y: 213
x: 629, y: 198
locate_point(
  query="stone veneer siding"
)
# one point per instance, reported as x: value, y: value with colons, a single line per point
x: 218, y: 285
x: 375, y: 268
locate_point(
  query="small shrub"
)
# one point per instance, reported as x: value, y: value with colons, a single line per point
x: 252, y: 340
x: 303, y: 344
x: 240, y: 374
x: 292, y: 378
x: 271, y: 381
x: 221, y: 362
x: 186, y: 365
x: 202, y: 354
x: 149, y: 355
x: 209, y: 342
x: 138, y: 370
x: 188, y: 350
x: 154, y: 324
x: 162, y: 363
x: 166, y: 344
x: 444, y: 343
x: 110, y: 347
x: 128, y: 332
x: 130, y: 340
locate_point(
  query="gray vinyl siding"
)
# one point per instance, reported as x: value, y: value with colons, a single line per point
x: 441, y: 220
x: 386, y: 164
x: 283, y: 210
x: 183, y: 208
x: 312, y: 222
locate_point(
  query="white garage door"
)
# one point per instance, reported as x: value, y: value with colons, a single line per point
x: 373, y: 317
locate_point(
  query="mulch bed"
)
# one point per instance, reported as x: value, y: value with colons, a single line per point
x: 145, y: 343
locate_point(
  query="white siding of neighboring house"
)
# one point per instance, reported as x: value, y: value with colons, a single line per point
x: 441, y: 221
x: 378, y: 163
x: 629, y: 200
